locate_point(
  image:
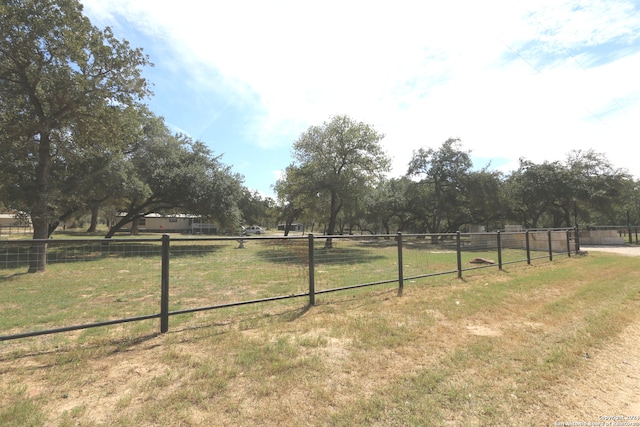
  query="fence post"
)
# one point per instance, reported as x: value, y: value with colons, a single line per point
x: 400, y: 266
x: 499, y: 241
x: 526, y: 238
x: 459, y: 251
x: 164, y: 288
x: 550, y: 246
x: 312, y: 279
x: 569, y: 243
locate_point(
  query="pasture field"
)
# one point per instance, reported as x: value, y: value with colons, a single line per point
x: 493, y: 348
x: 89, y: 282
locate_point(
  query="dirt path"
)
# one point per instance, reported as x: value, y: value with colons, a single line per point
x: 609, y: 386
x: 622, y: 250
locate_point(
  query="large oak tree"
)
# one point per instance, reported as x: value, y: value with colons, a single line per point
x: 59, y: 77
x: 444, y: 177
x: 174, y: 174
x: 333, y: 162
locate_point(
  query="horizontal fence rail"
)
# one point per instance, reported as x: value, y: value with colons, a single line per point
x: 235, y: 271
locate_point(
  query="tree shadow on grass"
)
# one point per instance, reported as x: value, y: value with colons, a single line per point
x: 299, y: 254
x: 410, y: 243
x: 429, y: 245
x: 17, y: 255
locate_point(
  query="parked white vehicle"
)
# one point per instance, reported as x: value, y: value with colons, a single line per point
x: 254, y: 229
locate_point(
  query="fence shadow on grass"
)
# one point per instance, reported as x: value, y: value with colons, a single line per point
x: 113, y: 346
x: 11, y: 276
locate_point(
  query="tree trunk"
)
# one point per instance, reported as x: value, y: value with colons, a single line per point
x: 38, y: 252
x: 135, y: 226
x: 117, y: 226
x: 40, y: 212
x: 94, y: 219
x: 335, y: 208
x: 287, y: 225
x: 385, y: 225
x: 53, y: 225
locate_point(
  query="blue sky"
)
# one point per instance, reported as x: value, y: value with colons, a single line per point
x: 511, y: 79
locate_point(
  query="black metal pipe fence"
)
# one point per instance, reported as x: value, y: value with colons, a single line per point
x: 216, y: 269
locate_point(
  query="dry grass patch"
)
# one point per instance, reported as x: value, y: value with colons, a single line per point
x: 497, y: 348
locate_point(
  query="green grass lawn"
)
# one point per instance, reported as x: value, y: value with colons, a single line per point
x: 87, y: 282
x: 490, y: 349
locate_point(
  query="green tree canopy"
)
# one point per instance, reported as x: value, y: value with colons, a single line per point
x: 174, y: 174
x: 388, y: 204
x: 60, y: 77
x: 598, y: 187
x: 585, y: 188
x: 255, y: 209
x: 333, y: 162
x: 445, y: 172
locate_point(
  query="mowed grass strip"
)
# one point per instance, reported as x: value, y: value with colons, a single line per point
x: 489, y: 349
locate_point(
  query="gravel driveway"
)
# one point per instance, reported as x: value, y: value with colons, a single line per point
x: 619, y: 249
x: 608, y: 385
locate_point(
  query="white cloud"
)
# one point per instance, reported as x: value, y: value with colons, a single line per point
x: 574, y: 23
x: 419, y: 72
